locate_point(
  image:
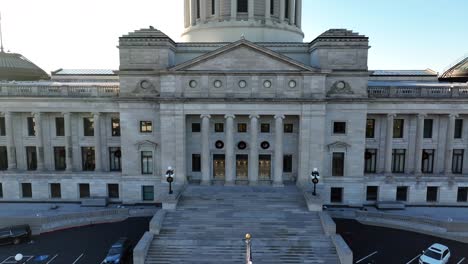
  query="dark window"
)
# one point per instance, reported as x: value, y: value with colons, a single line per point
x: 148, y: 193
x: 113, y: 191
x: 427, y: 165
x: 457, y: 161
x: 146, y: 126
x: 26, y: 190
x: 398, y: 125
x: 84, y: 190
x: 31, y: 158
x: 370, y: 161
x: 462, y: 195
x: 370, y: 128
x: 198, y: 8
x: 59, y: 126
x: 146, y: 162
x: 88, y: 158
x: 336, y: 195
x: 432, y: 193
x: 2, y: 126
x: 242, y: 6
x: 242, y: 128
x: 272, y: 7
x: 219, y: 127
x: 3, y: 158
x: 372, y: 193
x: 458, y: 128
x: 115, y: 127
x: 339, y: 127
x: 398, y: 160
x: 213, y: 7
x: 338, y: 164
x: 196, y: 128
x: 265, y: 128
x: 196, y: 162
x: 115, y: 162
x: 88, y: 127
x: 288, y: 128
x: 55, y: 190
x: 287, y: 163
x: 31, y: 126
x: 402, y: 193
x: 1, y: 190
x: 59, y: 158
x: 428, y: 123
x: 286, y: 9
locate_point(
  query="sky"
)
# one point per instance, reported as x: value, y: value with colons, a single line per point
x: 83, y: 34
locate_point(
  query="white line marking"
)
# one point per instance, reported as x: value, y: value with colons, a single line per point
x: 52, y: 259
x: 76, y: 260
x: 30, y: 257
x: 413, y: 259
x: 368, y: 256
x: 461, y: 260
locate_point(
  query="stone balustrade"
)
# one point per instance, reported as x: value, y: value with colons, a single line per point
x: 418, y: 92
x: 51, y: 90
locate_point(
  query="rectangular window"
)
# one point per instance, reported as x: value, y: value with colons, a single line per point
x: 31, y: 158
x: 288, y: 128
x: 59, y: 158
x: 148, y: 193
x: 427, y: 165
x: 339, y: 127
x: 242, y: 128
x: 402, y: 193
x: 115, y: 127
x: 219, y: 127
x: 462, y: 195
x: 242, y: 6
x: 338, y: 164
x: 146, y: 162
x: 84, y: 190
x: 428, y: 124
x: 196, y: 128
x: 113, y: 191
x: 88, y: 126
x: 398, y: 125
x: 458, y: 128
x: 372, y: 193
x: 336, y: 195
x: 370, y: 128
x: 432, y: 194
x: 2, y: 126
x: 287, y: 163
x: 398, y: 160
x: 286, y: 9
x: 26, y: 190
x: 196, y: 162
x: 115, y: 162
x: 146, y: 127
x: 88, y: 158
x: 3, y: 158
x: 457, y: 161
x: 1, y: 190
x: 370, y: 161
x: 31, y: 127
x: 59, y: 126
x: 265, y: 128
x: 55, y: 190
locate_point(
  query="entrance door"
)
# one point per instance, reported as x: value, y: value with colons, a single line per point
x: 242, y: 167
x: 219, y: 167
x: 264, y: 167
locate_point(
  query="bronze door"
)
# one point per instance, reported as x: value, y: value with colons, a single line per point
x: 242, y: 167
x: 264, y: 167
x: 219, y: 167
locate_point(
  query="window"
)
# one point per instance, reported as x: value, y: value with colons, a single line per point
x: 113, y: 191
x: 432, y: 193
x: 339, y: 127
x: 370, y: 161
x: 198, y: 8
x: 2, y: 126
x: 31, y: 127
x: 458, y: 128
x: 462, y: 195
x: 370, y: 128
x: 148, y: 193
x: 336, y: 195
x: 59, y: 158
x: 146, y: 162
x: 31, y: 158
x: 196, y: 128
x: 398, y: 160
x: 338, y: 164
x: 372, y: 193
x: 219, y: 128
x: 146, y: 127
x: 457, y: 161
x: 265, y: 128
x: 196, y: 162
x: 428, y: 124
x: 242, y: 6
x: 213, y: 7
x: 55, y: 190
x: 84, y: 190
x: 26, y: 190
x: 287, y: 163
x: 59, y: 126
x: 242, y: 128
x: 3, y: 158
x: 115, y: 127
x: 427, y: 165
x: 288, y: 128
x: 88, y: 158
x: 272, y: 7
x: 1, y: 190
x: 115, y: 155
x: 88, y: 127
x: 398, y: 125
x: 286, y: 9
x: 402, y: 193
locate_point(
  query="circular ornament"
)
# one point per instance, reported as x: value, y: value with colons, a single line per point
x: 218, y: 84
x: 219, y: 144
x: 265, y: 145
x: 242, y: 84
x: 242, y: 145
x: 193, y: 83
x: 145, y: 84
x: 292, y: 84
x: 267, y: 84
x: 341, y: 85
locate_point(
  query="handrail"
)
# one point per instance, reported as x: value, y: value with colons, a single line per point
x: 417, y: 92
x: 12, y: 90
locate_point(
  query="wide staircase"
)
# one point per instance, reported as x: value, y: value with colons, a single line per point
x: 211, y: 221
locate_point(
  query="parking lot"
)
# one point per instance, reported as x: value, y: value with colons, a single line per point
x: 379, y: 245
x: 84, y: 245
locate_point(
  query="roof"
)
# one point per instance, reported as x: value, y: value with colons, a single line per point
x: 340, y: 34
x: 457, y: 73
x: 16, y: 67
x: 68, y: 72
x: 413, y: 84
x: 426, y: 72
x: 439, y: 247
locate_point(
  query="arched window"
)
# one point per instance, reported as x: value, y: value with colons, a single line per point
x: 242, y: 6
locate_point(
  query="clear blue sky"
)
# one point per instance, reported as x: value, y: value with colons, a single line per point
x: 404, y: 34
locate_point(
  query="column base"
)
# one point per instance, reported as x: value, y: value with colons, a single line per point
x: 229, y: 183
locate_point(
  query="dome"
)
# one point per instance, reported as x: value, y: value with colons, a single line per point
x: 457, y: 73
x: 15, y: 67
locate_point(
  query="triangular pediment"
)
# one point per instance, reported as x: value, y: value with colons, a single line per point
x: 243, y: 56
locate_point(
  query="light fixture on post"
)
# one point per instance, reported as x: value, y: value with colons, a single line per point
x: 315, y: 177
x: 170, y: 177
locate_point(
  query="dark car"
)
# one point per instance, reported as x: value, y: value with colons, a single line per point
x: 119, y: 252
x: 15, y: 234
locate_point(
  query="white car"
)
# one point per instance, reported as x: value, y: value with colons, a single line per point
x: 435, y: 254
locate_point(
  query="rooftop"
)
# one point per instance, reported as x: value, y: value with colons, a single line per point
x: 87, y: 72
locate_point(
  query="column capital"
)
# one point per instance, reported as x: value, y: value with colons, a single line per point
x: 453, y: 115
x: 230, y: 116
x: 422, y: 115
x: 35, y: 114
x: 254, y: 116
x: 279, y: 116
x: 96, y: 114
x: 391, y: 115
x: 205, y: 116
x: 65, y: 113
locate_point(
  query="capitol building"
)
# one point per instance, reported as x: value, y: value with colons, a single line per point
x: 243, y: 100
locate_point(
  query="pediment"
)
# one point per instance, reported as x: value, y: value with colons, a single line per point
x: 146, y: 144
x: 338, y: 145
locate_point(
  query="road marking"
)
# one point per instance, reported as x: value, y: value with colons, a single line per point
x: 413, y: 259
x: 366, y: 257
x: 461, y: 260
x: 52, y: 259
x: 76, y: 260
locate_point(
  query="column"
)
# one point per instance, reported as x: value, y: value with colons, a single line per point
x: 282, y: 10
x: 388, y: 144
x: 39, y: 141
x: 97, y: 138
x: 253, y: 154
x: 419, y: 144
x: 217, y: 9
x: 278, y: 176
x: 205, y: 154
x: 230, y: 158
x: 68, y: 142
x: 299, y: 13
x: 186, y: 13
x: 11, y: 149
x: 449, y: 144
x: 233, y: 9
x: 292, y: 12
x: 267, y: 9
x: 193, y: 12
x: 203, y: 9
x: 251, y: 9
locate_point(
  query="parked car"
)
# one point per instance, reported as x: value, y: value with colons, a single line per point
x: 15, y: 234
x: 119, y: 252
x: 435, y: 254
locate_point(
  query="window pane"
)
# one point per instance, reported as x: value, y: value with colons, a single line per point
x: 26, y: 190
x: 370, y: 164
x: 398, y: 125
x: 372, y: 193
x: 59, y: 158
x: 458, y: 128
x: 146, y: 126
x: 31, y: 158
x: 462, y: 195
x: 1, y: 190
x: 148, y: 193
x: 59, y: 127
x: 3, y: 158
x: 196, y: 163
x: 55, y: 190
x: 115, y: 127
x: 242, y: 6
x: 242, y: 128
x: 2, y: 126
x: 88, y: 127
x: 457, y: 161
x: 288, y: 128
x: 287, y: 163
x: 265, y: 128
x: 402, y: 193
x: 370, y: 128
x: 31, y: 126
x: 196, y: 127
x: 84, y: 190
x: 113, y: 191
x: 339, y: 127
x: 115, y: 155
x: 147, y: 162
x: 428, y: 123
x: 432, y: 193
x: 338, y: 164
x: 428, y: 161
x: 88, y: 158
x: 336, y: 195
x: 398, y: 160
x: 219, y: 127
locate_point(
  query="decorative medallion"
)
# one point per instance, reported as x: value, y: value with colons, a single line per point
x: 219, y: 144
x: 242, y: 84
x: 145, y: 85
x: 265, y: 145
x: 193, y: 84
x: 340, y: 87
x: 217, y: 84
x: 242, y: 145
x: 292, y: 84
x: 267, y: 84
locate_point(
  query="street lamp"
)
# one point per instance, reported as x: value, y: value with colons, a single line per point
x: 314, y: 176
x: 170, y: 177
x: 248, y: 249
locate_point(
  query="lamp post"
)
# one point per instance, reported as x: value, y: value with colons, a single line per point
x: 314, y: 176
x: 248, y: 249
x: 170, y: 177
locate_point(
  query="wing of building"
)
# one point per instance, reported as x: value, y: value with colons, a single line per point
x: 243, y: 100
